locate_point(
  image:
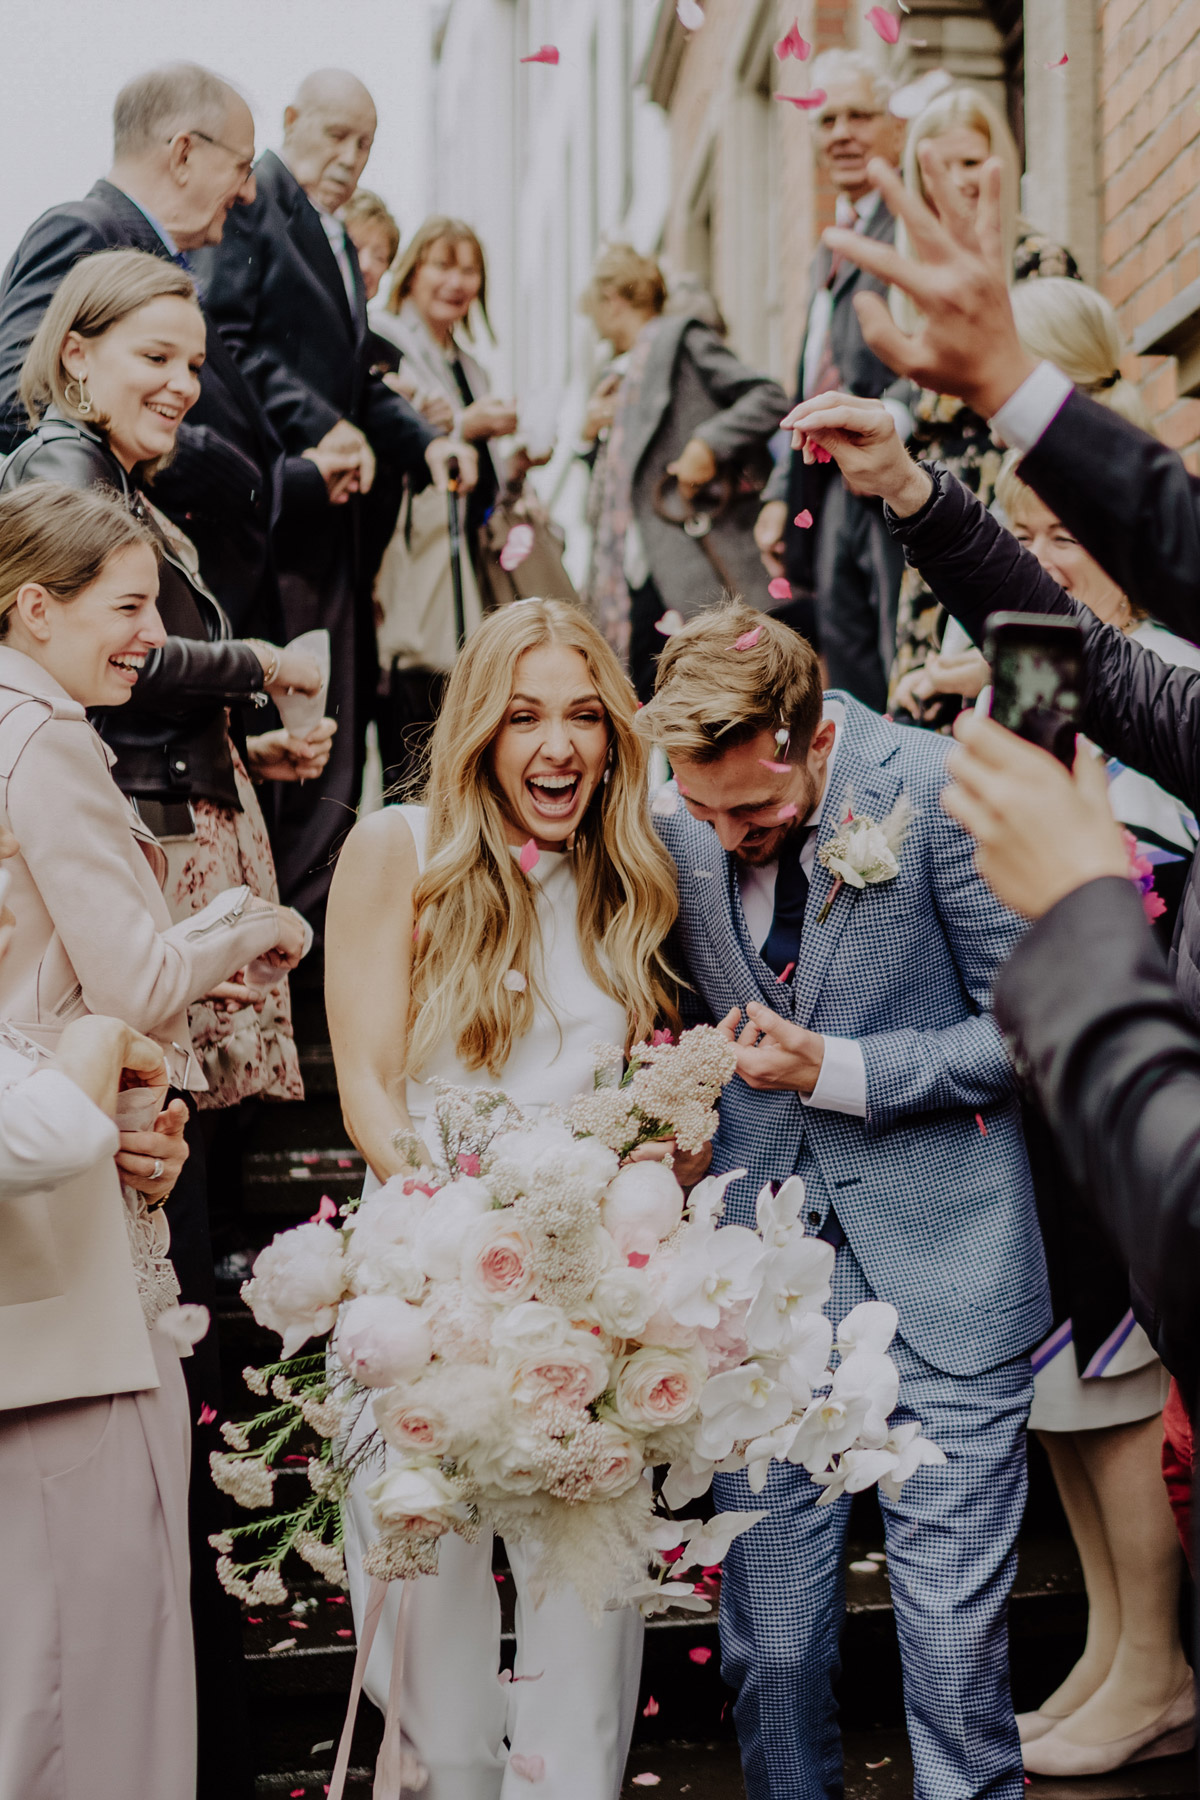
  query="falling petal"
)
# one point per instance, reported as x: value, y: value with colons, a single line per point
x: 515, y: 982
x: 530, y: 855
x: 786, y: 812
x: 886, y: 24
x: 637, y: 1259
x: 701, y: 1654
x: 748, y: 639
x: 792, y: 44
x: 530, y: 1768
x: 327, y: 1210
x: 651, y: 1708
x: 884, y: 1761
x: 344, y: 1632
x: 518, y: 545
x: 1062, y: 61
x: 865, y: 1568
x: 254, y: 1621
x: 646, y: 1780
x: 785, y: 975
x: 776, y: 768
x: 184, y: 1325
x: 670, y: 623
x: 780, y: 588
x: 821, y: 455
x: 283, y: 1644
x: 547, y: 54
x: 297, y: 1794
x: 803, y: 520
x: 806, y: 102
x: 207, y: 1414
x: 981, y: 1125
x: 690, y: 14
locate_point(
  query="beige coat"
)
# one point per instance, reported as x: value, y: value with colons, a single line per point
x: 93, y: 931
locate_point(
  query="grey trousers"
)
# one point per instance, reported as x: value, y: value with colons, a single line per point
x: 858, y: 570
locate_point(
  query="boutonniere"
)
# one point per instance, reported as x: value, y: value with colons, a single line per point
x: 865, y: 853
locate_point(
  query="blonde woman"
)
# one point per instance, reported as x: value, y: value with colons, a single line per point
x: 449, y: 957
x: 962, y: 129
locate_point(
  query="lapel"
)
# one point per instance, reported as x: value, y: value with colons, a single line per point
x: 655, y: 398
x: 308, y: 235
x: 879, y: 226
x: 860, y: 770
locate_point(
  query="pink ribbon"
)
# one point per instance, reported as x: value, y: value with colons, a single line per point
x: 396, y: 1764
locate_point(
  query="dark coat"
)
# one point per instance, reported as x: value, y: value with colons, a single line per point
x: 229, y: 481
x: 1136, y: 707
x: 1102, y: 1034
x: 804, y: 486
x: 275, y: 289
x: 170, y: 738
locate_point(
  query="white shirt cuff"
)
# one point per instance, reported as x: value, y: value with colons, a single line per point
x: 903, y: 418
x: 842, y: 1083
x: 1024, y: 417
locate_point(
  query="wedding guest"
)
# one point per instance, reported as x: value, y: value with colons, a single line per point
x: 375, y: 236
x: 183, y: 153
x: 97, y: 1682
x: 964, y: 129
x: 869, y: 1064
x: 285, y: 290
x: 687, y: 441
x: 437, y: 298
x: 434, y: 910
x: 844, y: 572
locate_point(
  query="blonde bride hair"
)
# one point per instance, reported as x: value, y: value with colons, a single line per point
x: 476, y: 909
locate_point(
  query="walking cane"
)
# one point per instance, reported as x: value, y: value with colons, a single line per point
x: 453, y: 490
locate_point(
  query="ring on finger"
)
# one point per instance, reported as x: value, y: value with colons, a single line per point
x: 156, y: 1173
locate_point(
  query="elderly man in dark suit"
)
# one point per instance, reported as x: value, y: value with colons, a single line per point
x: 845, y: 561
x: 183, y: 153
x: 285, y: 286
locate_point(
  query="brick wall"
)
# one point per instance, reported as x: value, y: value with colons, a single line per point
x: 1148, y: 78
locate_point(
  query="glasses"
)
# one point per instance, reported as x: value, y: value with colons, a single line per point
x: 242, y: 164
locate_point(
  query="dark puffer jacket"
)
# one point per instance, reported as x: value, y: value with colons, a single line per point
x: 1136, y: 707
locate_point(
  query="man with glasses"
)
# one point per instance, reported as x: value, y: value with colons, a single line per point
x: 844, y: 568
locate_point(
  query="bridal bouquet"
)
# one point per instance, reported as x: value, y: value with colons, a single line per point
x: 537, y: 1339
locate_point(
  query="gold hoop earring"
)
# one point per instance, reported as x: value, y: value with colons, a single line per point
x: 82, y: 404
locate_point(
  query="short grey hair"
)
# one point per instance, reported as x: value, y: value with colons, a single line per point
x: 852, y: 65
x: 180, y: 97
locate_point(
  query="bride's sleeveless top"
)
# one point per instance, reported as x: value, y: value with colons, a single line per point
x: 552, y: 1062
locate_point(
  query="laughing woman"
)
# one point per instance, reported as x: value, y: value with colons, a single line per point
x: 516, y: 967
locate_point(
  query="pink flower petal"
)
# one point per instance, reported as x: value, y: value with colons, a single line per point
x: 530, y: 1768
x: 547, y: 54
x: 701, y: 1654
x: 780, y: 588
x: 651, y: 1708
x: 345, y: 1632
x: 886, y: 24
x: 806, y: 102
x: 820, y: 454
x: 468, y: 1163
x: 646, y: 1780
x: 792, y: 44
x: 786, y: 812
x: 518, y: 547
x: 637, y: 1259
x: 785, y: 975
x: 207, y: 1414
x: 297, y: 1794
x: 689, y: 14
x: 803, y: 520
x: 747, y: 641
x: 1062, y: 61
x: 337, y: 1600
x: 327, y: 1210
x: 776, y: 768
x: 254, y: 1621
x: 981, y: 1125
x: 530, y: 855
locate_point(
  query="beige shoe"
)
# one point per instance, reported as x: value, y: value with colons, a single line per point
x: 1033, y: 1725
x: 1173, y: 1732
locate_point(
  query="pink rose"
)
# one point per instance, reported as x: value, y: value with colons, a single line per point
x: 410, y: 1426
x: 618, y: 1464
x: 658, y: 1387
x: 497, y: 1260
x: 573, y: 1374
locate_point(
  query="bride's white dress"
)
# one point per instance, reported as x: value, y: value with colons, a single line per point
x: 573, y: 1702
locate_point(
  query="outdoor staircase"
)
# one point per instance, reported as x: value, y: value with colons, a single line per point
x: 300, y: 1656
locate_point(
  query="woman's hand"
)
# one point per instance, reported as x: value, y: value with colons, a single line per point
x: 862, y: 439
x: 152, y: 1161
x: 278, y: 756
x: 967, y: 673
x: 292, y: 934
x: 431, y: 403
x: 687, y: 1167
x: 694, y: 467
x: 490, y: 417
x: 95, y: 1051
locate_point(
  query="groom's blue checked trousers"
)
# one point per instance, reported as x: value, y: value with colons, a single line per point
x: 951, y: 1557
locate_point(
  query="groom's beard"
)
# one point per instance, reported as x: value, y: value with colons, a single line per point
x: 766, y: 845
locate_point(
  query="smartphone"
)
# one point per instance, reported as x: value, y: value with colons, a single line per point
x: 1037, y: 678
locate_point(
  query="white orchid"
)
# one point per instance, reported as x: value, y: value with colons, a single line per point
x: 663, y: 1596
x: 707, y: 1540
x: 795, y: 1281
x: 718, y: 1270
x: 869, y: 1379
x: 741, y: 1403
x: 686, y: 1479
x: 761, y: 1452
x: 856, y: 1470
x: 706, y: 1202
x: 778, y: 1214
x: 911, y: 1451
x: 804, y: 1355
x: 869, y: 1326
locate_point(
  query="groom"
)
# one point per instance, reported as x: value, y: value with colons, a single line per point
x: 869, y: 1064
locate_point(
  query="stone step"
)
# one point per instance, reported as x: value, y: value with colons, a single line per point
x: 286, y: 1185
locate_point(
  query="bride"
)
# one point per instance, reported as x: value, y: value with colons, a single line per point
x: 490, y: 938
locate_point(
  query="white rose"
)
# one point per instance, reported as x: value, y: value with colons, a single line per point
x: 418, y: 1498
x: 523, y: 1150
x: 618, y: 1464
x: 297, y: 1283
x: 496, y: 1259
x: 587, y: 1160
x: 379, y: 1245
x: 515, y: 1463
x: 623, y: 1302
x: 656, y: 1387
x: 573, y: 1373
x: 643, y: 1205
x: 530, y: 1326
x: 381, y: 1340
x: 440, y: 1235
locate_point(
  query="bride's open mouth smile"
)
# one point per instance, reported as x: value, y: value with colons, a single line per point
x: 554, y: 796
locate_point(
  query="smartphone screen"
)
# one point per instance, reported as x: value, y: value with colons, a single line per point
x: 1037, y: 676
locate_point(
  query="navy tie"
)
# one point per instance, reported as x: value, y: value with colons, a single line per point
x: 781, y: 951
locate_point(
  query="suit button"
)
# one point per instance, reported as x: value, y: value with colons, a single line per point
x: 814, y: 1218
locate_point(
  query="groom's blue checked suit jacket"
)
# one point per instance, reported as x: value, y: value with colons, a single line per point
x: 932, y: 1188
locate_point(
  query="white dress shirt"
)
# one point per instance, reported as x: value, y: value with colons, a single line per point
x: 1026, y: 415
x: 842, y: 1082
x: 335, y: 231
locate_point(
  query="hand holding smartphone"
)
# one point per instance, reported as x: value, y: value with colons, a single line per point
x: 1038, y: 678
